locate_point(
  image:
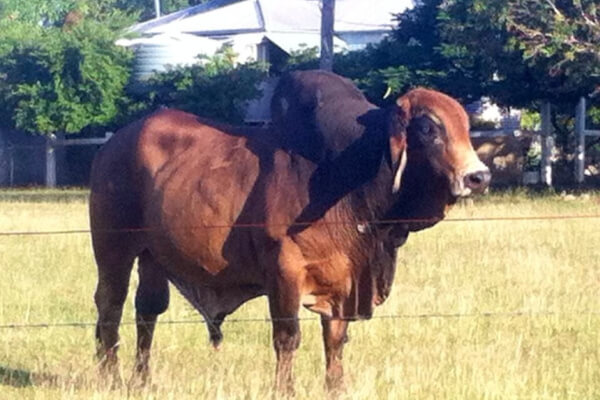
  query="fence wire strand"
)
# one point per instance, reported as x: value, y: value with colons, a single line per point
x: 301, y: 224
x: 434, y: 315
x: 506, y: 314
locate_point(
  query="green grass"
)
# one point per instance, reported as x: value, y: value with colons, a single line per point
x: 539, y: 281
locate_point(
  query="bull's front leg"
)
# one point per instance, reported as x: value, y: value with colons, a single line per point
x: 334, y: 338
x: 284, y: 305
x: 286, y: 339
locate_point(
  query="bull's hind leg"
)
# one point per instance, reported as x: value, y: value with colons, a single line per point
x: 151, y: 299
x: 111, y: 292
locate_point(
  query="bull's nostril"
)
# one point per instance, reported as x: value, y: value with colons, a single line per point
x: 477, y: 180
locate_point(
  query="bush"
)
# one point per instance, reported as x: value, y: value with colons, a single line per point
x: 215, y: 88
x: 61, y: 81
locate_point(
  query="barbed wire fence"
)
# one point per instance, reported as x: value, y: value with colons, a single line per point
x: 418, y: 316
x: 505, y: 314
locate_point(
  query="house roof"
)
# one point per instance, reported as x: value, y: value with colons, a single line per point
x: 228, y: 17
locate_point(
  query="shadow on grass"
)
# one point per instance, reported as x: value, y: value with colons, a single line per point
x: 23, y: 378
x: 15, y: 377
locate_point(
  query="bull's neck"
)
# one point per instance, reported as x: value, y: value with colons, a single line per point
x: 369, y: 176
x: 356, y: 182
x: 374, y: 200
x: 424, y: 195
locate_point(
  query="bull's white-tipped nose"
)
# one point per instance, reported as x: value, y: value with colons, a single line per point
x: 478, y: 181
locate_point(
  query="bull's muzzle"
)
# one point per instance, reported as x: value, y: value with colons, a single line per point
x: 477, y: 181
x: 472, y: 180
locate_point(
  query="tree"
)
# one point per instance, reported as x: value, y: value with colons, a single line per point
x: 59, y: 68
x: 216, y: 88
x: 482, y: 31
x: 471, y: 48
x: 414, y: 55
x: 566, y: 32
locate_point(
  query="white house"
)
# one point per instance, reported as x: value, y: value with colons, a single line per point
x: 260, y: 30
x: 288, y: 24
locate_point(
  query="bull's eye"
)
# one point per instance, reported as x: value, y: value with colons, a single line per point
x: 424, y: 131
x: 425, y: 127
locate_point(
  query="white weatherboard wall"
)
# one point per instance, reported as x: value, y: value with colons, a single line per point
x: 290, y: 24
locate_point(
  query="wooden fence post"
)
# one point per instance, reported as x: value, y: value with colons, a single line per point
x: 50, y: 161
x: 327, y: 27
x: 580, y: 144
x: 547, y: 145
x: 156, y: 8
x: 11, y: 165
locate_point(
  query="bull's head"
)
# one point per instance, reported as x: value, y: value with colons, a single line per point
x: 438, y: 132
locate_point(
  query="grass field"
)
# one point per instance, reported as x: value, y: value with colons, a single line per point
x: 527, y: 292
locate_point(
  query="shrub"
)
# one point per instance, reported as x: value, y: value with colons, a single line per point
x: 216, y: 88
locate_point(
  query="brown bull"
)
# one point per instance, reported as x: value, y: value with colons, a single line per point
x: 226, y: 215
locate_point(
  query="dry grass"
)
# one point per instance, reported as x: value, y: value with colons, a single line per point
x: 546, y: 269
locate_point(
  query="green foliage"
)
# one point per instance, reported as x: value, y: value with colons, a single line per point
x: 594, y: 114
x: 566, y: 33
x: 469, y: 48
x: 530, y: 120
x: 305, y: 58
x: 412, y: 56
x: 114, y: 13
x: 60, y: 71
x: 34, y: 11
x: 215, y: 88
x: 61, y: 81
x: 497, y: 54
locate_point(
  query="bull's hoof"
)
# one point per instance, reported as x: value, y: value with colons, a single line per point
x: 110, y: 377
x: 140, y: 378
x: 108, y: 369
x: 335, y: 386
x: 284, y: 392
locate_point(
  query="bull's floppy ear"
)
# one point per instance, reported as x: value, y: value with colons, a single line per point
x: 399, y: 121
x: 399, y: 158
